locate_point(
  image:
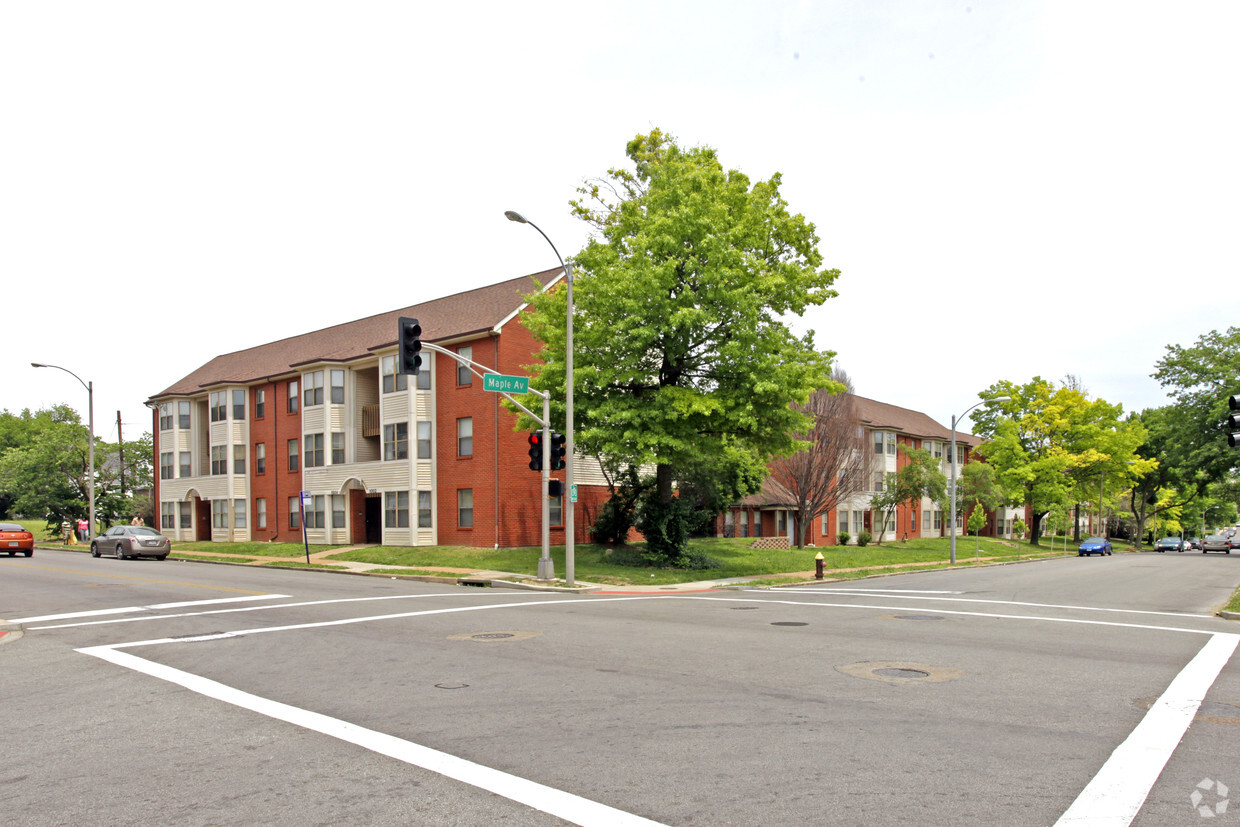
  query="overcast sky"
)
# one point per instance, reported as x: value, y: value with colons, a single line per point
x: 1010, y: 189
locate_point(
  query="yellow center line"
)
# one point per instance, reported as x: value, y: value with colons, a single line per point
x: 136, y: 579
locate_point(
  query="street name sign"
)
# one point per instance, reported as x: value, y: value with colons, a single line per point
x: 498, y: 382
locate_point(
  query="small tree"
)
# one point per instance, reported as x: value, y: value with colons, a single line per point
x: 919, y: 477
x: 977, y: 519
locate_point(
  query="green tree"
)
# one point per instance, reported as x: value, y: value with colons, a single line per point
x: 1045, y: 440
x: 44, y: 468
x: 920, y: 476
x: 680, y: 346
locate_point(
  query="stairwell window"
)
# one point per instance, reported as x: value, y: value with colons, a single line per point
x: 239, y: 460
x: 238, y: 405
x: 260, y: 458
x: 337, y: 449
x: 219, y: 406
x: 183, y: 415
x: 424, y: 509
x: 463, y: 376
x: 465, y: 437
x: 465, y: 507
x: 293, y: 456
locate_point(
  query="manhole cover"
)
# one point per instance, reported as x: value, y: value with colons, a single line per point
x: 491, y: 636
x: 900, y: 673
x: 789, y: 623
x: 495, y: 637
x: 451, y: 686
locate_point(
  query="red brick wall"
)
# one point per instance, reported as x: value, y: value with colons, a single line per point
x: 277, y: 484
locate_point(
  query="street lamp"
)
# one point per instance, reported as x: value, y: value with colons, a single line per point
x: 570, y: 441
x: 955, y: 419
x: 90, y: 451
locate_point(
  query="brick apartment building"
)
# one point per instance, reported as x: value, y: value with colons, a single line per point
x: 772, y: 512
x: 385, y: 458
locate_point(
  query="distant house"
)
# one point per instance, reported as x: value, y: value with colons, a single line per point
x: 383, y: 458
x: 772, y: 512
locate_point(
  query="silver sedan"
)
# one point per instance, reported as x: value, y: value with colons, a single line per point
x: 131, y: 541
x: 1216, y: 543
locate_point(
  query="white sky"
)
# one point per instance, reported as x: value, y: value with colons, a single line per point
x: 1010, y: 188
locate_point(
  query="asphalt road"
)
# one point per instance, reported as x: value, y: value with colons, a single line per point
x: 1073, y: 691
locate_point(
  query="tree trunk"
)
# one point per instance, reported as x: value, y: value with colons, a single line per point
x: 663, y: 481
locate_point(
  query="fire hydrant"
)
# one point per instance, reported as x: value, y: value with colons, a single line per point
x: 818, y: 566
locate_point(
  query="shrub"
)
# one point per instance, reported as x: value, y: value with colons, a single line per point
x: 863, y: 538
x: 843, y: 537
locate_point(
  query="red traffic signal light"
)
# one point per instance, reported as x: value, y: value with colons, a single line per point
x: 536, y: 451
x: 408, y: 345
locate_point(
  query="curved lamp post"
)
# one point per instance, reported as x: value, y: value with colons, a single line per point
x: 955, y: 419
x: 90, y: 396
x: 570, y: 442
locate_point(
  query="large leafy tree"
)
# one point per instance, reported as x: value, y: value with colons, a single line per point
x: 681, y: 350
x: 43, y: 466
x: 1045, y: 441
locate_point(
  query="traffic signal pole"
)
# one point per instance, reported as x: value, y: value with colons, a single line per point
x: 546, y: 566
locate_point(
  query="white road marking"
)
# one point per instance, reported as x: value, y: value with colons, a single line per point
x: 132, y: 609
x: 272, y: 607
x: 1116, y: 793
x: 571, y: 808
x: 910, y: 596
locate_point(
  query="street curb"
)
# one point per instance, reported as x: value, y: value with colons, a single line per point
x: 1229, y: 615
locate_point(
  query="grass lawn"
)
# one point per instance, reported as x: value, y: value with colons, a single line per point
x: 732, y: 558
x: 252, y: 549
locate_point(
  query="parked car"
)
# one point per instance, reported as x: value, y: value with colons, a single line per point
x: 1169, y: 544
x: 1194, y: 543
x: 131, y: 541
x: 14, y: 539
x: 1216, y: 542
x: 1094, y: 545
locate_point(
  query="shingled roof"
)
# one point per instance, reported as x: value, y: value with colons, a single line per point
x: 451, y: 317
x: 881, y: 416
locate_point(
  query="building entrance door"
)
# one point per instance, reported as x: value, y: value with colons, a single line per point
x: 374, y: 520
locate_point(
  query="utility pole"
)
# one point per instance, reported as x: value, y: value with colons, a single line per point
x: 120, y: 441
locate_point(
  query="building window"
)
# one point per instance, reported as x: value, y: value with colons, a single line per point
x: 219, y: 460
x: 424, y: 440
x: 238, y: 405
x: 925, y: 521
x: 186, y: 514
x: 424, y: 509
x: 424, y: 376
x: 315, y: 517
x: 878, y: 442
x: 337, y: 377
x: 938, y: 521
x: 165, y: 466
x: 396, y: 509
x: 219, y: 513
x: 165, y: 417
x: 293, y: 461
x: 337, y: 449
x: 260, y: 403
x: 186, y: 463
x: 314, y: 452
x: 396, y: 441
x: 260, y: 458
x: 465, y: 437
x: 239, y: 460
x: 465, y: 507
x: 891, y: 445
x: 843, y: 519
x: 781, y: 523
x: 557, y: 510
x: 219, y: 410
x: 961, y: 453
x: 313, y: 394
x: 337, y: 511
x: 392, y: 381
x: 879, y: 476
x: 463, y: 374
x: 167, y: 515
x: 183, y: 415
x: 292, y: 396
x: 238, y: 513
x: 294, y: 512
x: 260, y: 513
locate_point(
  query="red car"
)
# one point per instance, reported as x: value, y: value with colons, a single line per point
x: 14, y: 538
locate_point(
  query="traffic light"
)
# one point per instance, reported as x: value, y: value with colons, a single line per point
x: 536, y: 451
x: 557, y: 451
x: 1233, y: 421
x: 408, y: 345
x: 555, y: 488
